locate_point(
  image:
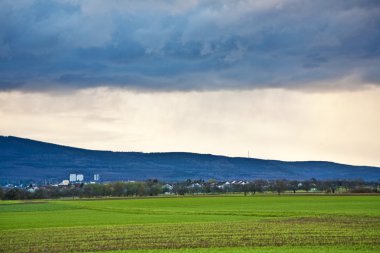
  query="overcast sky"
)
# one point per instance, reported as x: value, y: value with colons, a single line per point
x: 290, y: 80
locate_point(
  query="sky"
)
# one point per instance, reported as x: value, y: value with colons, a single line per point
x: 289, y: 80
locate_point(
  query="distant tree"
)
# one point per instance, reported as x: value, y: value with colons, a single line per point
x: 155, y: 189
x: 249, y: 188
x: 358, y: 183
x: 293, y: 185
x: 280, y: 186
x: 119, y: 189
x: 259, y: 185
x: 207, y: 187
x: 180, y: 189
x: 54, y: 192
x: 246, y: 189
x: 1, y: 193
x: 348, y: 185
x: 141, y: 189
x: 327, y: 186
x: 131, y: 188
x: 108, y: 189
x: 73, y: 192
x: 333, y: 186
x: 88, y: 191
x: 306, y: 185
x: 12, y: 194
x: 99, y: 190
x: 41, y: 193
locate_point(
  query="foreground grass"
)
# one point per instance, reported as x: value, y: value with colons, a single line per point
x: 207, y: 224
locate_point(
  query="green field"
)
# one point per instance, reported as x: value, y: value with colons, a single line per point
x: 258, y: 224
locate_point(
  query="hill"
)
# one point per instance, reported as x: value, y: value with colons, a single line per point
x: 24, y: 159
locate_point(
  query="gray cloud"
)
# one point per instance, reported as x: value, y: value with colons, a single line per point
x: 186, y: 45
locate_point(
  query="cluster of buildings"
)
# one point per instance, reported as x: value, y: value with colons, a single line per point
x: 78, y: 178
x: 228, y: 184
x: 74, y: 179
x: 194, y: 186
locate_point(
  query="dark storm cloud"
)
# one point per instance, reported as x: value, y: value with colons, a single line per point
x: 185, y: 45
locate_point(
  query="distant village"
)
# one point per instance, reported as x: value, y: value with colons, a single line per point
x: 73, y: 179
x: 77, y: 185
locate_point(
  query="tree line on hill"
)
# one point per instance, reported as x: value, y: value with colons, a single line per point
x: 153, y: 187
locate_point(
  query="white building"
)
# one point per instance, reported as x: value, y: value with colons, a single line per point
x: 96, y: 177
x: 80, y: 177
x: 167, y: 187
x: 73, y: 177
x: 64, y: 183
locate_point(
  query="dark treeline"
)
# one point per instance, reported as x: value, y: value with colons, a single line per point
x: 155, y: 188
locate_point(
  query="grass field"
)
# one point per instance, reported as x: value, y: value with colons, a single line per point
x: 257, y: 224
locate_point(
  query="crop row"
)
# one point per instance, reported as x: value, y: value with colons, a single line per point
x: 290, y: 232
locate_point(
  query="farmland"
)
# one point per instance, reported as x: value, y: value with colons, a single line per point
x: 193, y: 224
